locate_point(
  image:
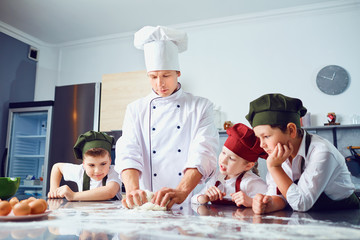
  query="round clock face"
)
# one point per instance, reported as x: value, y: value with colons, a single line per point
x: 332, y: 80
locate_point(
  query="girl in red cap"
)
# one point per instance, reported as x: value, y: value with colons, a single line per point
x: 235, y: 183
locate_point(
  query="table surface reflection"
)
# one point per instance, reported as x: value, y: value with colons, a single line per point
x: 109, y: 220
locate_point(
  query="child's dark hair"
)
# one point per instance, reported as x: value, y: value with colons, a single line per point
x: 283, y: 128
x: 96, y: 152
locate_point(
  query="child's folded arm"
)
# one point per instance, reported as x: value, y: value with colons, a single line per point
x: 101, y: 193
x: 55, y: 177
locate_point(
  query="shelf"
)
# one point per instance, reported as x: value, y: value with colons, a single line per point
x: 31, y: 136
x: 332, y: 127
x: 29, y: 156
x: 31, y: 186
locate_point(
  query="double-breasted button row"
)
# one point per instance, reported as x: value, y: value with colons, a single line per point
x: 155, y: 174
x: 153, y: 128
x: 178, y: 106
x: 154, y: 151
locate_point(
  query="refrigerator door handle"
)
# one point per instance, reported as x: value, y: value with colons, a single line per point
x: 3, y: 160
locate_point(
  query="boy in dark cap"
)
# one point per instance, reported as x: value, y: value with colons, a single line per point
x: 95, y: 177
x: 304, y: 170
x: 235, y: 183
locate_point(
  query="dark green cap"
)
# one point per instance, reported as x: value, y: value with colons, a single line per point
x: 92, y: 139
x: 275, y: 109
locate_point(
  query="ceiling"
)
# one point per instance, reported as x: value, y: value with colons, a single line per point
x: 61, y: 21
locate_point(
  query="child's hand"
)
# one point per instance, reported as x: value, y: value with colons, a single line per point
x: 203, y: 198
x: 214, y: 193
x: 260, y: 202
x: 65, y: 192
x: 54, y: 203
x: 279, y: 155
x: 240, y: 198
x: 52, y: 194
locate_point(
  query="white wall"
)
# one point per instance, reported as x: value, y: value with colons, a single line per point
x: 46, y: 73
x: 233, y: 61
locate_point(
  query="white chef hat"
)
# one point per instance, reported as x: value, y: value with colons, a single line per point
x: 161, y: 46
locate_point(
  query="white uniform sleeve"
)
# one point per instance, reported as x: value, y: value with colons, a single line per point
x: 73, y: 172
x: 271, y: 187
x: 128, y: 150
x: 113, y: 176
x: 312, y: 182
x: 203, y: 148
x: 253, y: 185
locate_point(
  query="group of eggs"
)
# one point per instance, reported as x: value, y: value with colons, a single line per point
x: 23, y: 207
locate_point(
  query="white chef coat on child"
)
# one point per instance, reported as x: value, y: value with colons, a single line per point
x: 250, y: 184
x: 75, y: 173
x: 163, y: 136
x: 325, y: 171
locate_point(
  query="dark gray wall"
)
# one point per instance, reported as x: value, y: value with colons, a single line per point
x: 17, y: 82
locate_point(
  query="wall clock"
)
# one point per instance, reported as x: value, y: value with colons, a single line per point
x: 332, y: 79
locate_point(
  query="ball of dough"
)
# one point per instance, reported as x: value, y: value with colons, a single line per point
x: 148, y: 206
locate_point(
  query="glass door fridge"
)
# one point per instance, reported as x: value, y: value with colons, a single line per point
x: 28, y: 141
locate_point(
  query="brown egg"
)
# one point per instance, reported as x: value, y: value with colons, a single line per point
x: 21, y: 209
x: 13, y: 201
x: 37, y: 206
x: 5, y: 208
x: 43, y: 201
x: 27, y: 201
x: 31, y: 198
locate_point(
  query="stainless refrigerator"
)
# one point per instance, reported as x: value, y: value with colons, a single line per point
x: 27, y: 146
x: 76, y: 111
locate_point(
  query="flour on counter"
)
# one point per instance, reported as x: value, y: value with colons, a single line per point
x: 149, y: 206
x: 114, y: 222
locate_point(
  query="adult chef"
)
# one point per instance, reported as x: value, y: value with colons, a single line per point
x: 169, y: 140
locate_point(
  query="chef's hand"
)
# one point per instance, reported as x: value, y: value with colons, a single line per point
x: 167, y: 197
x: 214, y: 193
x: 260, y: 202
x: 279, y: 155
x: 134, y: 198
x: 241, y: 199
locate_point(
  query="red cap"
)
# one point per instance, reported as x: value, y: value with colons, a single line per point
x: 243, y: 142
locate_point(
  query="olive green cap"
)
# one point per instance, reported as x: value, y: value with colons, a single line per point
x: 275, y: 109
x: 92, y: 139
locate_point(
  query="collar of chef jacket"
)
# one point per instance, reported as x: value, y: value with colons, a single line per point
x: 173, y: 96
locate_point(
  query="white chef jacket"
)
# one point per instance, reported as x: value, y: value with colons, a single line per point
x: 163, y: 136
x: 75, y: 173
x: 325, y: 171
x: 250, y: 184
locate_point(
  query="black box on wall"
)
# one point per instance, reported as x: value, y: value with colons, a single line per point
x: 33, y: 53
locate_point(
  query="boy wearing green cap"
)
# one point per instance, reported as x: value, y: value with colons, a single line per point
x: 304, y: 170
x: 95, y: 177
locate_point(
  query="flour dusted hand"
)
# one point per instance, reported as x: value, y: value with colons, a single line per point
x: 148, y: 206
